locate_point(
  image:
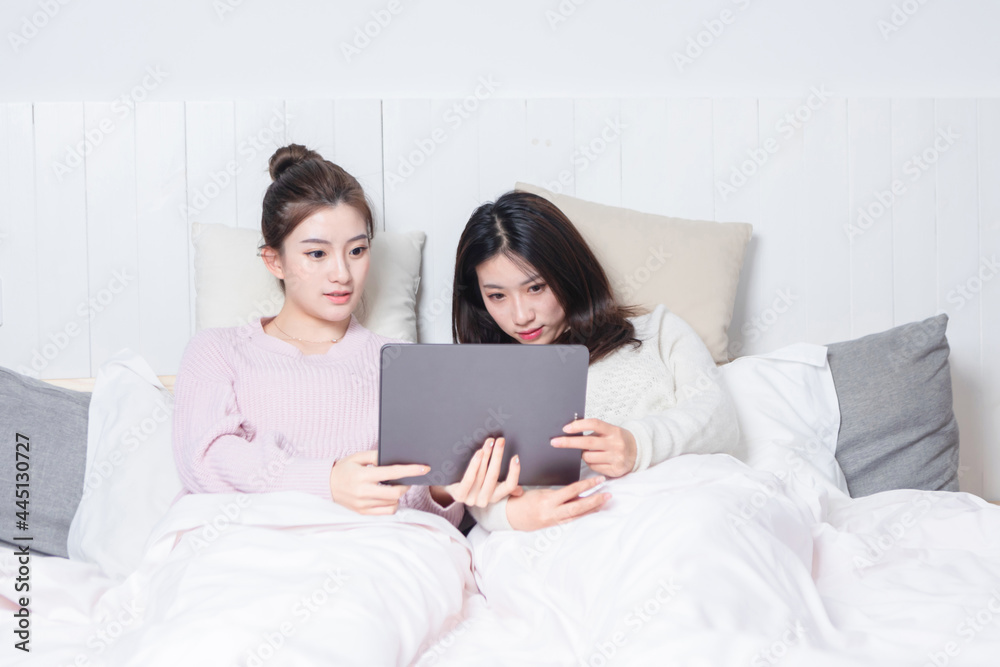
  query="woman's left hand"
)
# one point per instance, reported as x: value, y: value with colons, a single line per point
x: 609, y: 450
x: 480, y: 486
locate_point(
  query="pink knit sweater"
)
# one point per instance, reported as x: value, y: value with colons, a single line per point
x: 253, y: 413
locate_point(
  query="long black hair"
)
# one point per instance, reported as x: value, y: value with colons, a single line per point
x: 534, y: 234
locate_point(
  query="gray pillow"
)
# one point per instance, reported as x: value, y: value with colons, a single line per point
x: 897, y: 427
x: 52, y: 424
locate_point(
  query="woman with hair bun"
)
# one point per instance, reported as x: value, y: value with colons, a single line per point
x: 290, y: 402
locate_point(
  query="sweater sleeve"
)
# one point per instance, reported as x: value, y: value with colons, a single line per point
x: 420, y: 498
x: 214, y: 449
x: 492, y: 517
x: 703, y: 421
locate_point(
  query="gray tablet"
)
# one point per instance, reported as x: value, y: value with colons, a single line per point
x: 439, y: 403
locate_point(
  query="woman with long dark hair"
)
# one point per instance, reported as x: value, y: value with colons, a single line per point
x: 524, y: 274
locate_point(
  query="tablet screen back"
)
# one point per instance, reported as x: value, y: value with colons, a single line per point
x: 440, y: 402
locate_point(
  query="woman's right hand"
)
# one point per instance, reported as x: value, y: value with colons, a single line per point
x: 541, y: 508
x: 354, y: 483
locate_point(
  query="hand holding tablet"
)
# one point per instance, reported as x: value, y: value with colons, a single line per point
x: 439, y: 404
x: 358, y: 484
x: 540, y: 508
x: 479, y: 486
x: 607, y: 449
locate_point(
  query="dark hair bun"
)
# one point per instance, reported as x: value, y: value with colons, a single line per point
x: 289, y: 156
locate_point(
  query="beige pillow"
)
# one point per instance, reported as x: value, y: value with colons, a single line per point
x: 232, y: 285
x: 691, y: 267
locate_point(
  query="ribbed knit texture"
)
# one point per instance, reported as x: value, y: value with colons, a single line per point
x: 252, y: 413
x: 666, y: 393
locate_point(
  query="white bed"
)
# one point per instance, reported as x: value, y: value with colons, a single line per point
x: 701, y: 560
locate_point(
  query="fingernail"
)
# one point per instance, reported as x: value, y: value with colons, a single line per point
x: 554, y: 442
x: 427, y: 468
x: 516, y: 459
x: 601, y: 480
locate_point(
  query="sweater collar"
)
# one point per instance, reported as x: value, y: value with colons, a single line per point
x: 354, y: 340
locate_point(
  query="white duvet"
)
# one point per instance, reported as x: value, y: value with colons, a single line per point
x: 698, y: 561
x: 271, y: 579
x: 701, y: 560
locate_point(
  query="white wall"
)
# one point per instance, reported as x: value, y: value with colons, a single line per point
x: 255, y: 49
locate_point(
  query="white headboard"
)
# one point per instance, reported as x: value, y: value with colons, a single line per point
x: 867, y: 213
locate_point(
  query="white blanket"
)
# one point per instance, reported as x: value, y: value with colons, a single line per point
x: 704, y: 561
x: 698, y: 561
x: 272, y: 579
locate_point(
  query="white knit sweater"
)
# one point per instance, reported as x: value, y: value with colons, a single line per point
x: 666, y: 393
